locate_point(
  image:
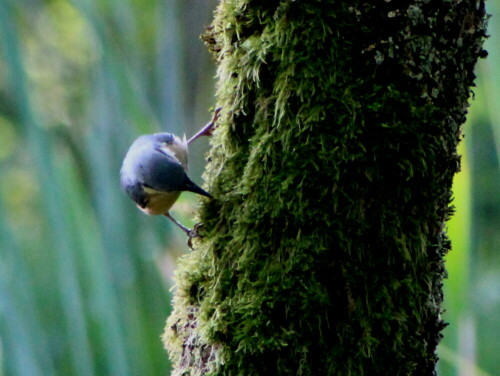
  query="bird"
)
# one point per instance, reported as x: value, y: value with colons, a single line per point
x: 154, y: 171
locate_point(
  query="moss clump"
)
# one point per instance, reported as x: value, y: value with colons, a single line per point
x: 332, y: 169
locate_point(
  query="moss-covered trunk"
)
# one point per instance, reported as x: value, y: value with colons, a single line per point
x: 332, y: 167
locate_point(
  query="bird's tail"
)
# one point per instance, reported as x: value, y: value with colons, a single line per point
x: 192, y: 187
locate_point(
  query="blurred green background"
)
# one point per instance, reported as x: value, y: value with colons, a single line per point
x: 84, y: 276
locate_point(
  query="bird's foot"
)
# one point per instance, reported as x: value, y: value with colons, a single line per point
x: 212, y: 124
x: 208, y: 129
x: 194, y: 233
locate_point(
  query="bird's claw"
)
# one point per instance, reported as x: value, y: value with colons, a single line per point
x: 213, y: 122
x: 194, y: 233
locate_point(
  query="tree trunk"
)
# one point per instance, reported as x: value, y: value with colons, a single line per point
x: 322, y: 253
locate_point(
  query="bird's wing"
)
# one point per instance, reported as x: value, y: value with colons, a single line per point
x: 162, y: 172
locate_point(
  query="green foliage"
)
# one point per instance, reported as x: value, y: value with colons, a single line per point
x: 332, y: 169
x: 471, y: 306
x: 81, y: 284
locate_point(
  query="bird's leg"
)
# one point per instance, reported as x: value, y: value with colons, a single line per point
x: 208, y: 128
x: 190, y: 233
x: 183, y: 228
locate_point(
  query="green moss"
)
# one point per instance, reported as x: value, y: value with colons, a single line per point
x: 331, y: 168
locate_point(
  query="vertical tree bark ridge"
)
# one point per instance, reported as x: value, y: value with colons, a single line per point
x: 332, y: 170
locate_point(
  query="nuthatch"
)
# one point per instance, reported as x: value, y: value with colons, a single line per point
x: 153, y: 173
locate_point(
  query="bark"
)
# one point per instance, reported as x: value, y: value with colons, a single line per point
x: 322, y: 253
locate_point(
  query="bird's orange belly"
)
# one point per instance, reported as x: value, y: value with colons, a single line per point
x: 160, y: 202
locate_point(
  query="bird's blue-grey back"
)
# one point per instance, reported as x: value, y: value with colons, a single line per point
x: 149, y: 165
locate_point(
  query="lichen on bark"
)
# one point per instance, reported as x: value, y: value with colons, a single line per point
x: 322, y: 253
